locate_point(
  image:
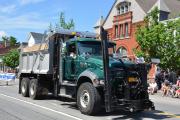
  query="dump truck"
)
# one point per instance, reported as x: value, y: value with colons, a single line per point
x: 79, y: 66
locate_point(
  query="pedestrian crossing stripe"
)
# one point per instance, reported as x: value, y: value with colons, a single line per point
x: 170, y: 115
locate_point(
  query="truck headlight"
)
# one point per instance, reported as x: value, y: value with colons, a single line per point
x: 101, y: 82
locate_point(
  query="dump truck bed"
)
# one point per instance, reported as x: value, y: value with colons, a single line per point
x: 36, y: 59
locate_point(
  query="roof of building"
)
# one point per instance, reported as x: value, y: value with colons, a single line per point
x: 163, y: 6
x: 37, y: 36
x: 7, y: 49
x: 146, y: 5
x: 172, y: 6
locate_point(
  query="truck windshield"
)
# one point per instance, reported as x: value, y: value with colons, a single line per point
x: 91, y: 48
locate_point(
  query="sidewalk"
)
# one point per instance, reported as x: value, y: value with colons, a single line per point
x: 9, y: 83
x: 160, y: 93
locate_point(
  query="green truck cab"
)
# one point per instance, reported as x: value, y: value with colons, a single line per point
x: 85, y: 70
x: 83, y: 57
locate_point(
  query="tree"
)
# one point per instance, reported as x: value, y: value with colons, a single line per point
x: 160, y: 40
x: 65, y: 25
x: 4, y: 39
x: 11, y: 59
x: 12, y: 40
x: 62, y: 24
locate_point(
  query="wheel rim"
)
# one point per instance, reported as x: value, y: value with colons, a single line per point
x: 32, y: 88
x: 84, y: 99
x: 23, y: 86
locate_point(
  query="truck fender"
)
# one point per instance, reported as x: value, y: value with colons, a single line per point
x: 90, y: 76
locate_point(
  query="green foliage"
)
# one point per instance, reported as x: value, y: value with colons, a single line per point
x: 62, y: 23
x: 11, y: 59
x: 62, y: 20
x: 159, y: 40
x: 139, y: 53
x: 12, y: 40
x: 65, y: 25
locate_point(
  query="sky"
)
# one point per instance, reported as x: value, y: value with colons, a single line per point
x: 19, y: 17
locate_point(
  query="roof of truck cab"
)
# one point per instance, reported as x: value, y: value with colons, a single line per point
x: 86, y: 40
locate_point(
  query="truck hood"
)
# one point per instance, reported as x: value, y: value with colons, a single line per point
x: 113, y: 63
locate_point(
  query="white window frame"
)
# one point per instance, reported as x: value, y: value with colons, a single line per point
x: 123, y: 8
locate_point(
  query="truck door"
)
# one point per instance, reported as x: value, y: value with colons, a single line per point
x: 70, y: 62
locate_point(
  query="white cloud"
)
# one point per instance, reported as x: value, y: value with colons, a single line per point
x: 28, y: 21
x: 25, y: 2
x: 2, y: 33
x: 7, y: 9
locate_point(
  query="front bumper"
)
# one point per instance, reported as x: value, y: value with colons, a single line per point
x: 134, y: 105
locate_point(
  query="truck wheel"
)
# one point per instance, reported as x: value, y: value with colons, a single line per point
x: 33, y: 89
x: 88, y: 99
x: 25, y: 87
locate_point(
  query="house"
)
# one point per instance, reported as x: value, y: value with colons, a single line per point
x: 1, y: 44
x: 34, y: 38
x: 125, y: 16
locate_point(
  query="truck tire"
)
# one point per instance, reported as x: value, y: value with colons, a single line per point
x: 25, y: 87
x: 34, y: 89
x: 88, y: 99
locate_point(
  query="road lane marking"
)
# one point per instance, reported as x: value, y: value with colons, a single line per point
x: 71, y: 116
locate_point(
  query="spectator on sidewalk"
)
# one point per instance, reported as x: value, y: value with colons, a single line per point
x: 178, y: 88
x: 165, y: 88
x: 160, y: 79
x: 152, y: 87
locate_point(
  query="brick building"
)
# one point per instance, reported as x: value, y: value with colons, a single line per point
x: 124, y: 17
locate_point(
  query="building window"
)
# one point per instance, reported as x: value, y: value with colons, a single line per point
x: 118, y: 11
x: 123, y: 7
x: 126, y: 8
x: 116, y: 31
x: 121, y: 31
x: 122, y: 51
x: 126, y: 30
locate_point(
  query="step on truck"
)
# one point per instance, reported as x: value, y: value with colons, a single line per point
x: 78, y: 66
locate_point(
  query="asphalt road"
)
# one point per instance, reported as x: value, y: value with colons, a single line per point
x: 15, y: 107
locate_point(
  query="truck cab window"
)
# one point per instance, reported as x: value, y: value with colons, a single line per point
x: 89, y: 49
x: 72, y: 50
